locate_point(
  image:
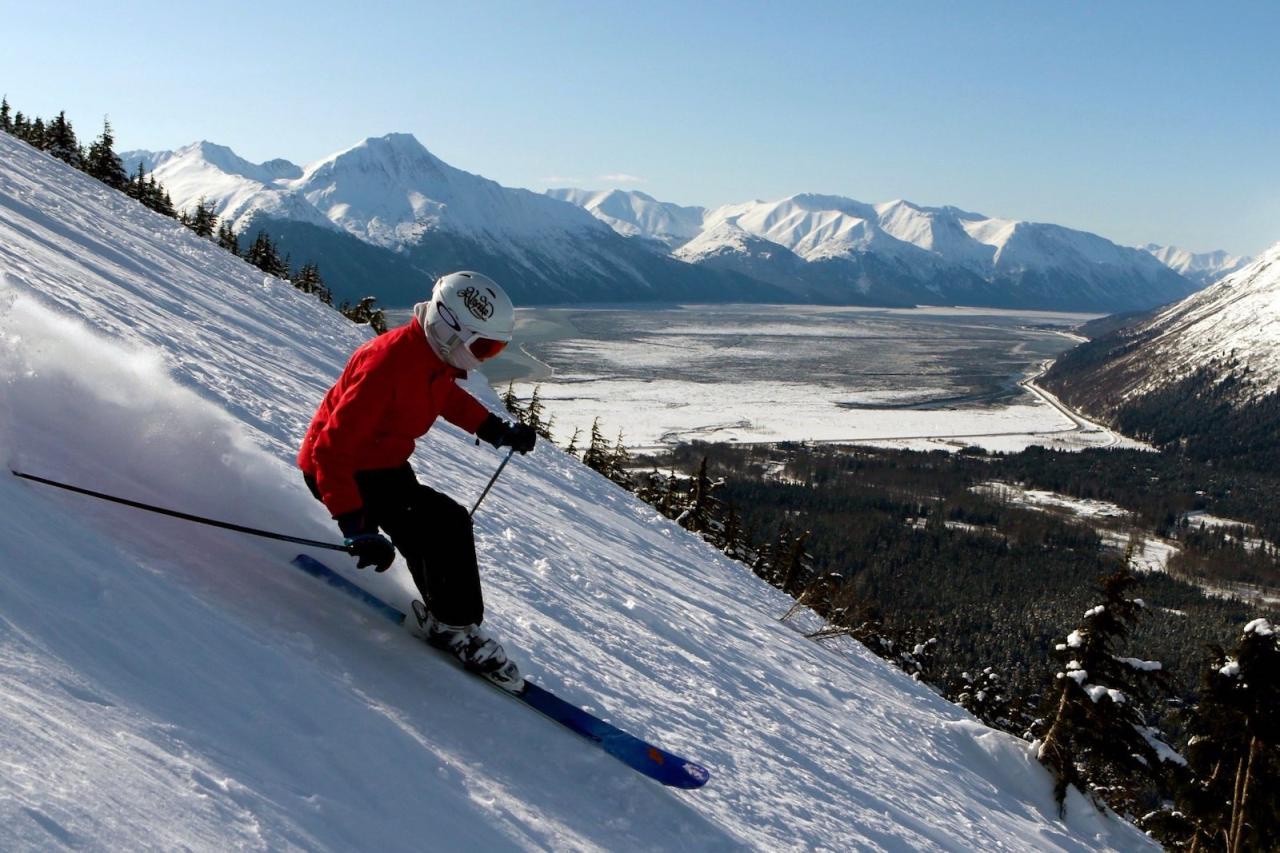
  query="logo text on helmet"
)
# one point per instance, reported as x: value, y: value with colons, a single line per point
x: 477, y: 303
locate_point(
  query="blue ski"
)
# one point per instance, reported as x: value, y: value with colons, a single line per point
x: 644, y: 757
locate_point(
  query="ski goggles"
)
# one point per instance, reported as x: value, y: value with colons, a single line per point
x: 486, y: 348
x: 480, y: 347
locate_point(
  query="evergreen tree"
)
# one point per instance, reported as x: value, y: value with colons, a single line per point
x: 102, y: 162
x: 60, y: 142
x: 137, y: 187
x: 731, y: 538
x: 36, y: 134
x: 793, y: 571
x: 596, y: 456
x: 228, y: 240
x: 511, y: 403
x: 204, y: 222
x: 1234, y: 748
x: 157, y: 198
x: 671, y: 500
x: 698, y: 515
x: 533, y: 412
x: 6, y: 121
x: 310, y: 280
x: 546, y: 429
x: 307, y: 278
x: 619, y: 458
x: 984, y: 695
x: 1096, y: 735
x: 572, y: 447
x: 263, y: 255
x: 21, y: 128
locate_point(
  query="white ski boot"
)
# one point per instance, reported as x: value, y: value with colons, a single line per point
x: 476, y: 650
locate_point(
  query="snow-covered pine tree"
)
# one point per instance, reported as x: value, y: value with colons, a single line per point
x: 1096, y: 734
x: 985, y: 695
x: 1233, y: 802
x: 6, y: 120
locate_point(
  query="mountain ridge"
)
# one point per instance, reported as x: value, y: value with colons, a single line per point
x: 571, y: 245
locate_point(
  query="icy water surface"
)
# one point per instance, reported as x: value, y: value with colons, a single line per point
x: 764, y: 372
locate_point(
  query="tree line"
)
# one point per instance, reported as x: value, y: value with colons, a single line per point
x: 99, y: 160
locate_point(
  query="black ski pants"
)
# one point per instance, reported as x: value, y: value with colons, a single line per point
x: 433, y: 533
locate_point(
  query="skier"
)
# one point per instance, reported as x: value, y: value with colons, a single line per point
x: 355, y: 456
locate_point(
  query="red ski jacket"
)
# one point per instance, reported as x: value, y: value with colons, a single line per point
x: 390, y: 393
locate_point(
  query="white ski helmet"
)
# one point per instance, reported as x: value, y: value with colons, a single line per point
x: 469, y: 319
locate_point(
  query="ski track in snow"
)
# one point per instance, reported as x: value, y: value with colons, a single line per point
x: 167, y: 686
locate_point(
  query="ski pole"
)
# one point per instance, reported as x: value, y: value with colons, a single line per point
x: 492, y: 480
x: 226, y: 525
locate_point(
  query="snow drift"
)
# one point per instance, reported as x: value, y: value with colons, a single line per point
x: 169, y: 686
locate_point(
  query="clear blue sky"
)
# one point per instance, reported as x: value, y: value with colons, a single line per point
x: 1142, y: 121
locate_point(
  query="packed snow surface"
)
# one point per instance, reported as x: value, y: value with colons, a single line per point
x: 169, y: 686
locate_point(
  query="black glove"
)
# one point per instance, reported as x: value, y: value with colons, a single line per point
x: 499, y: 433
x: 365, y: 542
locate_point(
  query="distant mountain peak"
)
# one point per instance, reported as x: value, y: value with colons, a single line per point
x: 1204, y: 267
x: 225, y: 160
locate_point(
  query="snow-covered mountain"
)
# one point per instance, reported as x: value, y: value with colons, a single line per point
x: 387, y: 217
x: 1202, y: 267
x: 1231, y: 328
x: 386, y: 190
x: 172, y: 686
x: 635, y: 214
x: 927, y: 254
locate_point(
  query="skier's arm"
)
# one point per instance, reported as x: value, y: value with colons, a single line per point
x: 463, y: 410
x: 352, y: 425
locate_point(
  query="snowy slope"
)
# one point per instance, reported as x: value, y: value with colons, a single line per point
x: 1204, y: 267
x: 1236, y: 320
x: 168, y: 686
